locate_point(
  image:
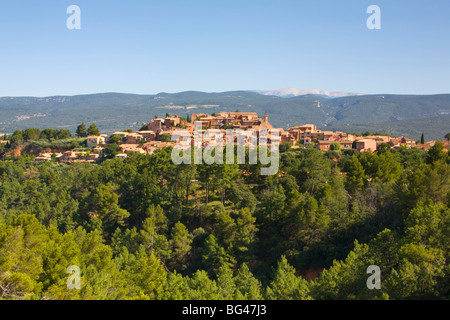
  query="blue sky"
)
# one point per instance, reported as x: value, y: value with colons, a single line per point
x: 150, y: 46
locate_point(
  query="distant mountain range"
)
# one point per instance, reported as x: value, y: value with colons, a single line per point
x: 292, y: 92
x: 407, y: 115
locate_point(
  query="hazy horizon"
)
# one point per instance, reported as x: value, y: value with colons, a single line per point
x: 202, y: 91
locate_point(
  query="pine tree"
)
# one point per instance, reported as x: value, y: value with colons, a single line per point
x: 286, y: 285
x: 202, y: 287
x: 247, y: 286
x: 214, y: 256
x: 181, y: 243
x: 145, y: 275
x: 225, y: 283
x: 176, y: 288
x: 435, y: 153
x: 104, y: 203
x: 245, y: 229
x: 20, y: 258
x: 81, y: 131
x: 93, y: 130
x: 355, y: 175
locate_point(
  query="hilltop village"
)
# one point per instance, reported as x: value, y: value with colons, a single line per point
x: 158, y: 132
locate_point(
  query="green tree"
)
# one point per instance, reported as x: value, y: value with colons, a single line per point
x: 435, y: 153
x: 115, y: 139
x: 246, y: 230
x: 447, y: 136
x: 48, y: 134
x: 31, y: 134
x: 247, y: 286
x: 422, y: 139
x: 383, y: 147
x: 100, y: 278
x: 81, y: 131
x: 355, y: 175
x: 273, y: 204
x: 17, y: 138
x: 242, y: 197
x: 286, y: 285
x: 227, y: 175
x: 426, y: 184
x: 176, y: 288
x: 388, y: 169
x: 111, y: 150
x: 152, y: 239
x: 104, y: 203
x: 306, y: 223
x: 418, y: 273
x: 285, y: 147
x: 314, y: 170
x: 345, y: 280
x: 335, y: 146
x: 20, y: 263
x: 145, y: 276
x: 428, y: 224
x: 188, y: 172
x: 181, y: 243
x: 93, y: 130
x: 63, y: 134
x: 225, y: 283
x: 202, y: 287
x: 165, y: 137
x: 214, y: 256
x: 206, y: 175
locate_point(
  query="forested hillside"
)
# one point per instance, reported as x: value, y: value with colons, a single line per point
x: 397, y: 115
x: 144, y: 228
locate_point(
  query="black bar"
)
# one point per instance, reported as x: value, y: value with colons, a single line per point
x: 168, y: 310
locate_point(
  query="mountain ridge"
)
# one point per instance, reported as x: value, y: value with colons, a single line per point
x: 294, y: 92
x: 113, y: 111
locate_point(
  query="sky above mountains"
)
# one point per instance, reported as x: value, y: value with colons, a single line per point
x: 214, y: 46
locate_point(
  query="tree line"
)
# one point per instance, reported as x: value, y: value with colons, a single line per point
x: 50, y: 134
x: 144, y: 228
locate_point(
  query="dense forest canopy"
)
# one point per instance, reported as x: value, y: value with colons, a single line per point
x: 145, y: 228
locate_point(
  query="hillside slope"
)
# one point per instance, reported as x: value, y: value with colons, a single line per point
x: 395, y: 114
